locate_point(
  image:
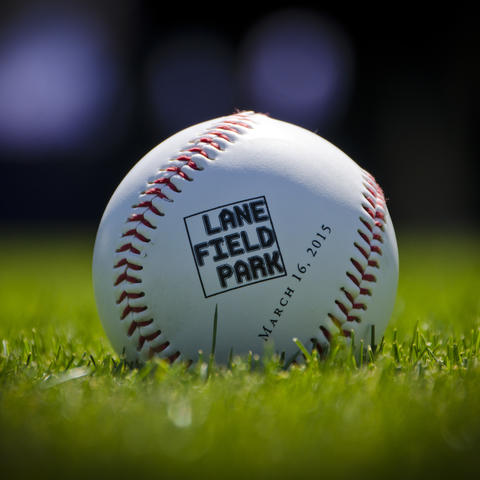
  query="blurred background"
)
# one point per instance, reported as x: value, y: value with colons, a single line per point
x: 88, y: 87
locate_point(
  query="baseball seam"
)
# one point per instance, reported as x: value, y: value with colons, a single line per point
x: 353, y: 301
x: 143, y: 220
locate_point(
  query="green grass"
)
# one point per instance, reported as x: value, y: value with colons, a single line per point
x: 69, y: 408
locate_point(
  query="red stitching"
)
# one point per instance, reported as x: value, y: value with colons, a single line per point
x: 366, y: 224
x: 166, y: 181
x: 128, y: 247
x: 353, y: 279
x: 157, y: 192
x: 361, y: 250
x: 124, y: 261
x: 138, y: 217
x: 342, y: 307
x: 335, y: 320
x: 326, y: 333
x: 125, y: 295
x: 211, y: 142
x: 124, y: 277
x: 364, y: 236
x: 189, y: 162
x: 134, y: 233
x: 380, y: 226
x: 242, y: 124
x: 158, y: 349
x: 129, y: 309
x: 173, y: 357
x: 369, y: 211
x: 180, y: 172
x: 357, y: 265
x: 348, y: 295
x: 375, y: 227
x: 369, y: 200
x: 200, y: 152
x: 142, y: 339
x: 210, y: 139
x: 135, y: 324
x: 221, y: 135
x: 149, y: 206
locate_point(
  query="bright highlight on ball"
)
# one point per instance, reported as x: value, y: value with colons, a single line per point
x: 267, y: 221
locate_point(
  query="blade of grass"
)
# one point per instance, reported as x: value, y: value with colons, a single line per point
x: 214, y: 343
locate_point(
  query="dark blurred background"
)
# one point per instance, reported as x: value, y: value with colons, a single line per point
x: 87, y: 88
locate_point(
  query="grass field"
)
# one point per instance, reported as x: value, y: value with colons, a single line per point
x: 70, y: 409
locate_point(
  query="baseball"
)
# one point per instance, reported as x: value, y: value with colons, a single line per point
x: 264, y: 220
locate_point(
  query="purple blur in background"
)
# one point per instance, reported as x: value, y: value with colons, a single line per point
x: 299, y: 67
x: 88, y: 87
x: 57, y: 81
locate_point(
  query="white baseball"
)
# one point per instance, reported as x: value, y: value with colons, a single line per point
x: 277, y: 227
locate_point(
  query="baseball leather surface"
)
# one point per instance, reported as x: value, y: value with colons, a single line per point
x: 277, y: 227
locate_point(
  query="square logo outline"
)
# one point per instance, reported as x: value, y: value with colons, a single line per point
x: 247, y: 284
